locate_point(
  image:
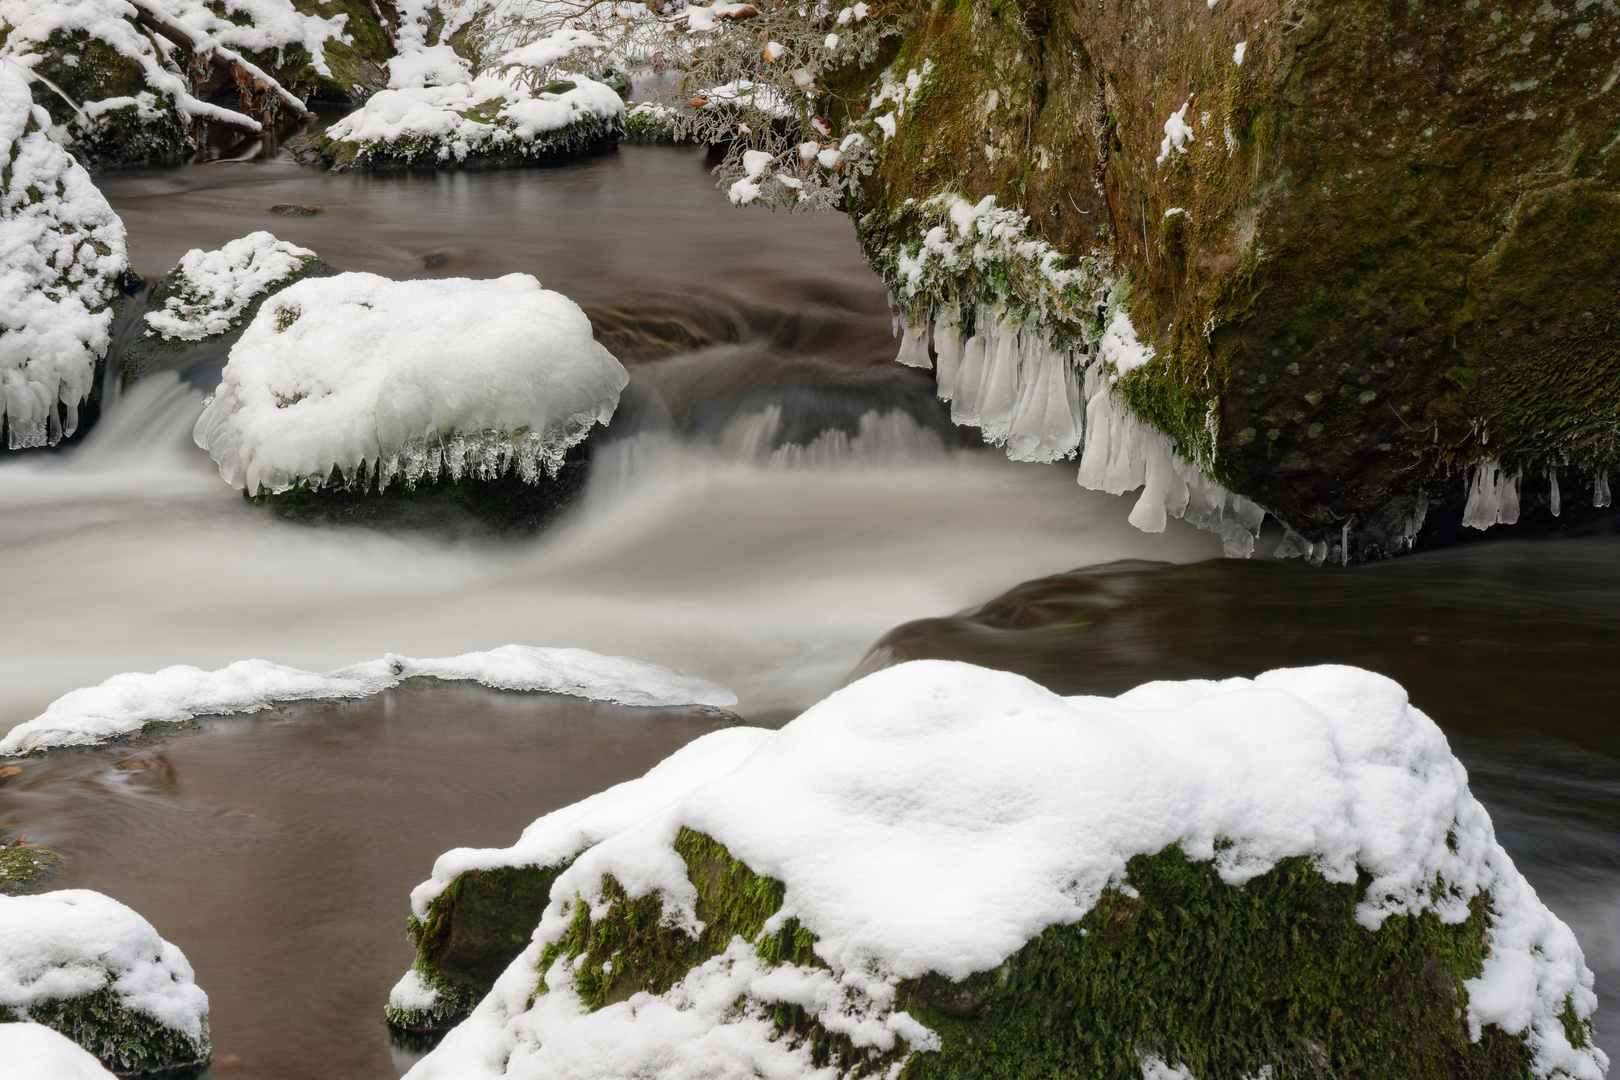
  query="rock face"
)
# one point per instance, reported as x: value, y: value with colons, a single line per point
x: 1372, y: 244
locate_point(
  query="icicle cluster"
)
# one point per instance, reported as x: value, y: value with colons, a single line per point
x: 1493, y: 496
x: 61, y: 251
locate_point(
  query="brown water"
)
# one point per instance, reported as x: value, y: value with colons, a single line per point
x: 279, y: 851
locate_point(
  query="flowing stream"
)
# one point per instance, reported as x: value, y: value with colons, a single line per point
x: 776, y: 497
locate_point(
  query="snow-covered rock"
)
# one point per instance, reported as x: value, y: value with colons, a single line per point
x: 953, y: 867
x: 379, y: 379
x: 489, y: 118
x: 210, y: 290
x: 125, y: 704
x: 477, y: 911
x: 61, y: 251
x: 35, y: 1052
x: 82, y: 962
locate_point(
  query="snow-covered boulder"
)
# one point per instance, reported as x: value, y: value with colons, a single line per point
x: 357, y: 382
x: 61, y: 253
x: 480, y: 907
x: 490, y: 119
x: 35, y: 1052
x: 208, y: 299
x: 87, y: 966
x: 954, y: 872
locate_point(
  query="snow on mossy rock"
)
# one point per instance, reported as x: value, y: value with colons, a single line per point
x: 209, y: 298
x: 347, y: 394
x: 89, y: 967
x: 437, y: 115
x: 472, y: 918
x: 35, y: 1052
x: 128, y: 704
x: 61, y: 253
x: 1345, y: 313
x: 942, y: 870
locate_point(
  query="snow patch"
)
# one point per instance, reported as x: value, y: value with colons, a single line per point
x: 936, y: 817
x: 61, y: 251
x: 125, y: 704
x: 405, y: 378
x: 62, y: 945
x: 215, y: 287
x: 35, y: 1052
x: 1177, y: 135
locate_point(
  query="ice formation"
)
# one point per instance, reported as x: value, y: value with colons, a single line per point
x: 125, y: 704
x: 379, y: 379
x: 35, y: 1052
x: 1493, y: 497
x: 935, y: 817
x: 58, y: 946
x: 1037, y: 373
x: 61, y: 251
x: 214, y: 288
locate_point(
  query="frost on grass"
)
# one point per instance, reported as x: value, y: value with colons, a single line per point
x: 89, y: 967
x: 61, y: 251
x: 374, y: 380
x: 875, y: 884
x: 477, y: 911
x: 210, y: 290
x: 35, y: 1052
x: 125, y: 704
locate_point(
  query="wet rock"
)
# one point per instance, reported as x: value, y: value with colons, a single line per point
x: 294, y: 210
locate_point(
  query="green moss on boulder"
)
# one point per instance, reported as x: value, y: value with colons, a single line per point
x: 1399, y: 240
x: 25, y: 869
x: 128, y: 1043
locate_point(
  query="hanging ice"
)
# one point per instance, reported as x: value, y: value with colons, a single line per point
x: 1493, y: 497
x: 914, y: 346
x: 1600, y: 490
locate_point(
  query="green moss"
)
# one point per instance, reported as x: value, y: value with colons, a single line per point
x: 126, y: 1042
x: 89, y: 70
x: 24, y: 869
x: 1227, y: 980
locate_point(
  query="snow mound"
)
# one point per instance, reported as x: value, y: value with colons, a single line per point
x: 59, y: 946
x: 61, y: 251
x: 490, y: 116
x: 936, y: 817
x: 562, y: 834
x: 125, y: 704
x: 213, y: 288
x: 381, y: 379
x: 35, y: 1052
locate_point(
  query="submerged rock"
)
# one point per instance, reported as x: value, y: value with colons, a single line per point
x: 90, y: 968
x: 1365, y: 253
x: 943, y: 870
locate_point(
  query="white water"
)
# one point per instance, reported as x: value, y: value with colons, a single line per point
x: 128, y: 553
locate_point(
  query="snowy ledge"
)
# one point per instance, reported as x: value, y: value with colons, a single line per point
x: 875, y: 870
x: 125, y: 704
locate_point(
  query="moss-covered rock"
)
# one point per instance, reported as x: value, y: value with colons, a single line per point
x: 127, y: 1042
x: 486, y: 140
x: 25, y: 868
x: 1387, y: 248
x: 1172, y: 964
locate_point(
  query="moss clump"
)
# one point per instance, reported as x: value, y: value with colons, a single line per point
x: 500, y: 149
x: 25, y: 869
x: 126, y: 1042
x: 1229, y: 981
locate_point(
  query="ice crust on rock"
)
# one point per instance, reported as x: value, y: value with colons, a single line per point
x: 61, y: 251
x: 214, y: 288
x: 35, y: 1052
x: 379, y: 379
x: 936, y: 817
x: 58, y: 946
x: 562, y: 834
x: 125, y: 704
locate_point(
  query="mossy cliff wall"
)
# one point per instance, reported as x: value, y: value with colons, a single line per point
x: 1398, y: 251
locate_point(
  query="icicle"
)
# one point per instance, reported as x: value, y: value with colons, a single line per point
x: 1047, y: 423
x: 969, y: 379
x: 914, y: 347
x: 1555, y: 502
x: 1344, y: 545
x: 1600, y: 490
x: 1001, y: 378
x: 1493, y: 497
x: 948, y: 348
